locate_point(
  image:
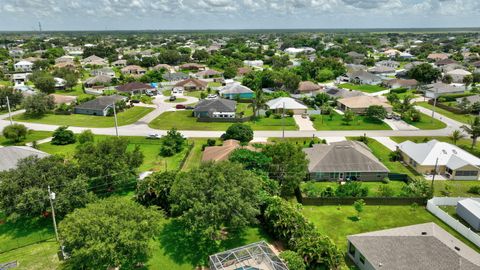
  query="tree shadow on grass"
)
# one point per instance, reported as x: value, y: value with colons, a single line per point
x: 193, y: 249
x: 354, y: 218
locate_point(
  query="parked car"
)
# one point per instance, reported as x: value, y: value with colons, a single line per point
x: 134, y: 101
x: 189, y: 108
x: 397, y: 117
x: 212, y: 96
x: 172, y: 98
x: 180, y: 107
x: 153, y: 136
x: 389, y: 116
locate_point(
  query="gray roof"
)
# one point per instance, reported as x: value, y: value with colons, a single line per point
x: 443, y: 88
x: 346, y: 156
x: 99, y: 79
x: 178, y: 76
x: 343, y: 93
x: 10, y: 155
x: 216, y: 105
x: 100, y: 103
x: 235, y: 89
x: 363, y: 75
x: 423, y: 246
x: 471, y: 99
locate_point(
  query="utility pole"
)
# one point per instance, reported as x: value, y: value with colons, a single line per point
x: 9, y: 111
x: 434, y: 104
x: 433, y: 176
x: 115, y: 117
x: 283, y: 121
x: 51, y: 197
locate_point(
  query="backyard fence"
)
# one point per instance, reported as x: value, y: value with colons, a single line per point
x: 432, y: 207
x: 368, y: 200
x: 184, y: 159
x: 446, y: 107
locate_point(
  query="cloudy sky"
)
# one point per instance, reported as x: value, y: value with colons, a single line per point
x: 235, y: 14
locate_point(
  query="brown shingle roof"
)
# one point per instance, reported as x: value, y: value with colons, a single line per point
x: 133, y: 86
x: 308, y: 86
x: 197, y: 82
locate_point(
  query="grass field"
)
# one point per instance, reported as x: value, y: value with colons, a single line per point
x: 304, y: 142
x: 41, y: 256
x: 33, y: 135
x: 464, y: 118
x: 359, y: 123
x: 427, y: 122
x: 339, y: 221
x: 182, y: 120
x: 126, y: 117
x: 75, y: 91
x: 362, y: 87
x: 195, y: 157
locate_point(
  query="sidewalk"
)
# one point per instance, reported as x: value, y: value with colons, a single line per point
x: 387, y: 142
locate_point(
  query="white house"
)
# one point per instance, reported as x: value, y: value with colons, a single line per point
x: 253, y: 63
x: 287, y: 103
x: 23, y: 66
x: 294, y: 51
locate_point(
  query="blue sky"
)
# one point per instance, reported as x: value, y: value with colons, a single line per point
x: 239, y: 14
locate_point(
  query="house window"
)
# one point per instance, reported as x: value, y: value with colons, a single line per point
x: 362, y: 259
x: 351, y: 249
x: 466, y: 173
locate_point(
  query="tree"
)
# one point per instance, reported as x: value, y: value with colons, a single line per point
x: 288, y: 166
x: 348, y: 117
x: 359, y: 205
x: 448, y: 79
x: 251, y: 160
x: 23, y: 191
x: 15, y: 133
x: 214, y: 197
x: 108, y: 163
x: 473, y: 129
x: 70, y: 80
x: 200, y: 55
x: 293, y: 260
x: 240, y: 132
x: 14, y: 98
x: 324, y: 75
x: 172, y: 143
x: 424, y: 73
x: 376, y: 112
x: 86, y: 136
x: 258, y: 102
x: 43, y: 81
x: 456, y: 136
x: 155, y: 189
x: 63, y: 136
x: 38, y: 104
x: 467, y: 80
x: 464, y: 105
x: 109, y: 233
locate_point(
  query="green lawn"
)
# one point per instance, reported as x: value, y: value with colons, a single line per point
x: 126, y: 117
x: 427, y: 122
x: 304, y: 142
x: 464, y: 118
x: 214, y: 84
x: 167, y: 93
x: 33, y: 135
x: 195, y: 157
x: 196, y: 94
x: 339, y: 221
x: 182, y: 120
x: 359, y: 123
x: 373, y: 187
x: 382, y: 153
x: 41, y: 256
x: 75, y: 91
x: 6, y: 83
x: 245, y: 108
x: 362, y: 87
x: 150, y: 148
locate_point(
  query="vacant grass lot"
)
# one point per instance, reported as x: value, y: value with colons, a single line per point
x: 126, y: 117
x: 339, y: 221
x: 194, y: 159
x: 464, y: 118
x: 359, y: 123
x: 427, y: 122
x: 183, y: 120
x: 362, y: 87
x: 33, y: 135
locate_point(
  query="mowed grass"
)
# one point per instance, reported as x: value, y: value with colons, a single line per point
x: 183, y: 120
x: 33, y: 135
x: 362, y: 87
x: 359, y: 123
x: 194, y: 159
x: 126, y: 117
x: 339, y: 221
x: 428, y: 123
x: 463, y: 118
x: 150, y: 148
x: 41, y: 256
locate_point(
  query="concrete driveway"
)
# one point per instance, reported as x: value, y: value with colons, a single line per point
x: 399, y: 124
x: 303, y: 124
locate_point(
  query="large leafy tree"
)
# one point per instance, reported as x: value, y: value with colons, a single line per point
x: 38, y: 104
x: 172, y: 143
x: 15, y: 133
x: 251, y: 160
x: 240, y: 132
x: 214, y: 197
x: 376, y: 112
x: 424, y: 73
x: 288, y: 166
x: 23, y: 191
x: 155, y: 189
x: 108, y: 163
x: 43, y: 81
x: 63, y: 136
x: 14, y: 98
x: 109, y: 233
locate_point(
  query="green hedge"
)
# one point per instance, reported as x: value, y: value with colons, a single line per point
x: 399, y: 90
x: 453, y: 97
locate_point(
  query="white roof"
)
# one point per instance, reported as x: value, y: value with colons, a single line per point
x: 471, y: 205
x: 285, y: 102
x: 24, y: 63
x: 459, y: 72
x: 10, y: 155
x: 448, y: 154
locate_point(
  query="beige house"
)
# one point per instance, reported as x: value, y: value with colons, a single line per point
x: 360, y: 104
x: 452, y: 162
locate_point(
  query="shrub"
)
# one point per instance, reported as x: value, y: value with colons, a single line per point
x: 385, y: 191
x: 395, y: 156
x: 211, y: 142
x: 85, y: 136
x: 277, y: 116
x: 386, y: 180
x: 399, y: 90
x: 240, y: 132
x: 268, y: 113
x: 293, y: 260
x: 352, y: 189
x: 63, y: 136
x: 172, y: 143
x: 311, y: 190
x: 474, y: 190
x: 417, y: 187
x: 15, y: 133
x: 290, y: 113
x: 312, y: 118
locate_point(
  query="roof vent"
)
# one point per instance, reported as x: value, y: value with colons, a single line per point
x: 457, y: 248
x: 444, y: 151
x: 454, y: 151
x: 424, y: 233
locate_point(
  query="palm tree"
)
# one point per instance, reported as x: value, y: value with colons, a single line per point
x: 456, y: 136
x: 473, y: 129
x: 258, y: 102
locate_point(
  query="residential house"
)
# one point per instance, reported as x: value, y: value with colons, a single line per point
x: 242, y: 71
x: 382, y: 70
x: 135, y: 88
x: 285, y: 104
x: 295, y: 51
x: 193, y: 66
x: 360, y: 104
x: 209, y: 73
x: 476, y: 64
x: 98, y: 80
x: 308, y: 87
x: 388, y: 63
x: 253, y: 63
x: 65, y: 59
x: 192, y: 84
x: 437, y: 56
x: 401, y: 83
x: 357, y: 58
x: 363, y: 77
x: 220, y: 153
x: 23, y: 66
x: 406, y: 55
x: 412, y: 65
x: 16, y: 52
x: 342, y: 93
x: 11, y: 155
x: 424, y: 246
x: 175, y: 77
x: 458, y: 75
x: 451, y: 161
x: 60, y: 83
x: 133, y: 70
x: 106, y: 71
x: 392, y: 53
x: 215, y: 108
x: 436, y: 90
x: 99, y: 106
x: 59, y: 99
x: 94, y: 60
x: 236, y: 91
x: 450, y: 67
x: 445, y: 62
x: 73, y: 50
x: 20, y: 78
x: 469, y: 211
x: 471, y: 99
x: 346, y: 160
x: 120, y: 63
x: 166, y: 67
